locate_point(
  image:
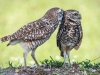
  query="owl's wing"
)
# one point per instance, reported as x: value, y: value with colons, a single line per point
x: 31, y: 31
x: 81, y: 36
x: 60, y: 30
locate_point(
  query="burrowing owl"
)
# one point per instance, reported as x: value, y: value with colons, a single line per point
x: 35, y: 33
x: 70, y: 33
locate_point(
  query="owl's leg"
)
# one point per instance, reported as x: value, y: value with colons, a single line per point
x: 64, y: 54
x: 68, y: 54
x: 33, y: 56
x: 63, y: 49
x: 25, y: 55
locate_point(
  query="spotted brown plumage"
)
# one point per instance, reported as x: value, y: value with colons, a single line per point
x: 35, y: 33
x: 70, y: 33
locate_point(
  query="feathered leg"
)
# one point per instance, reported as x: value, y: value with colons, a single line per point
x: 64, y: 64
x: 68, y: 54
x: 33, y: 56
x: 25, y: 55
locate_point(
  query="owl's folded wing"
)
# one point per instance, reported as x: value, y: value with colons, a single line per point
x: 31, y: 31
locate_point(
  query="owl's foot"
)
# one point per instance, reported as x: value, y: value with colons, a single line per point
x: 69, y: 65
x: 64, y: 66
x: 24, y: 68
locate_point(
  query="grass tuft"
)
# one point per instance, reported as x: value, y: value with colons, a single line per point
x: 52, y: 62
x: 11, y: 65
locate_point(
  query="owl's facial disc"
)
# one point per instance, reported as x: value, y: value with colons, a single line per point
x: 73, y: 15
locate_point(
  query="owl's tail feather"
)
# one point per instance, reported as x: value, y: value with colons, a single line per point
x: 5, y: 38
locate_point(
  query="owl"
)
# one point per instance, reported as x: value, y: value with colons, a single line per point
x: 70, y: 34
x: 35, y: 33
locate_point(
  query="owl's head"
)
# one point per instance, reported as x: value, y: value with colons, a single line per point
x: 72, y: 15
x: 54, y: 14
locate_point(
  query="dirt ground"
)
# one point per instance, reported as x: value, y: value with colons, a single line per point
x: 49, y: 71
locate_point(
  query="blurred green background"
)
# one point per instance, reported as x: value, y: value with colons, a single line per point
x: 16, y: 13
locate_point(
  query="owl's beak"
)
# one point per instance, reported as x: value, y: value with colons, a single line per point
x: 79, y: 17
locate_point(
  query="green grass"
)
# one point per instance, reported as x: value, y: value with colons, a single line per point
x: 85, y: 67
x: 16, y: 13
x: 52, y: 62
x: 86, y: 64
